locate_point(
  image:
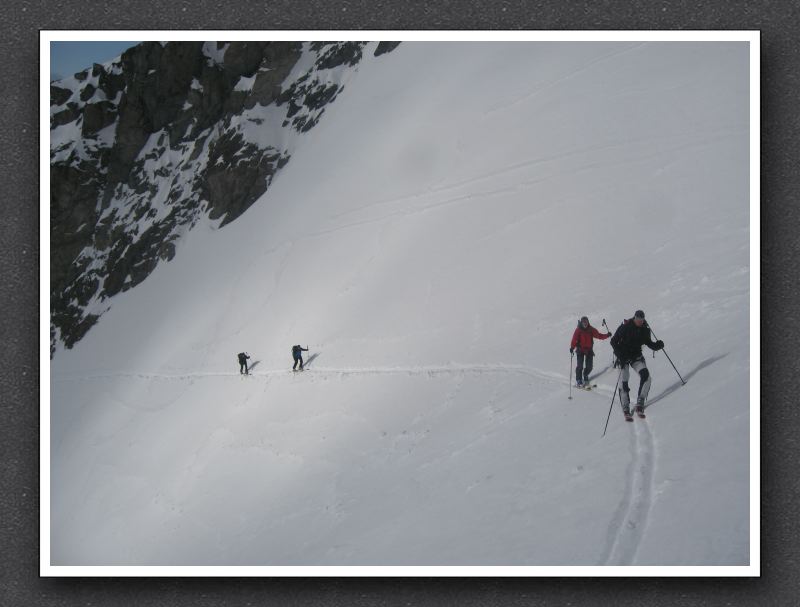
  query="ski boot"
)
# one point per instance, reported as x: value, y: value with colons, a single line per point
x: 626, y: 410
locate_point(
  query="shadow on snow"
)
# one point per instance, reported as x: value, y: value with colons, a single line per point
x: 707, y: 362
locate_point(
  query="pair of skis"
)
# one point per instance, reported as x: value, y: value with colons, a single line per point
x: 638, y: 410
x: 628, y: 416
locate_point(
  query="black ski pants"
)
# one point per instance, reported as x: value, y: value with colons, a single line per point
x: 243, y: 367
x: 298, y: 359
x: 585, y: 364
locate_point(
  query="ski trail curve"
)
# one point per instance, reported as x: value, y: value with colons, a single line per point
x: 627, y: 526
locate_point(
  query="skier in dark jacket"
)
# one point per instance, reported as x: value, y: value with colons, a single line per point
x: 297, y: 354
x: 243, y: 363
x: 583, y: 341
x: 627, y: 342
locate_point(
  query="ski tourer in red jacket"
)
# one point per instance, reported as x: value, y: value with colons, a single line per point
x: 583, y: 341
x: 583, y: 337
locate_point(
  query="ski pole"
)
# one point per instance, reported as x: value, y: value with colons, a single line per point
x: 668, y: 358
x: 571, y: 355
x: 611, y: 406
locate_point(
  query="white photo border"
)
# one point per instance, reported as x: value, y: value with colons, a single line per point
x: 753, y: 37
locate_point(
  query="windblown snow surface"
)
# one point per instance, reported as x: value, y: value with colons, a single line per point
x: 434, y: 241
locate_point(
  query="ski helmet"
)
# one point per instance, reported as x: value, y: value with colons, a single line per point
x: 639, y: 314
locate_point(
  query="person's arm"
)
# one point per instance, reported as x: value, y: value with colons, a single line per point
x: 615, y: 343
x: 599, y: 335
x: 655, y: 346
x: 617, y: 337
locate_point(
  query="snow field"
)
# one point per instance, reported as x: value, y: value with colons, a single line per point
x: 434, y: 241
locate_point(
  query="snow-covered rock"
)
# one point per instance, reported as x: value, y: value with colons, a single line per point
x: 146, y: 145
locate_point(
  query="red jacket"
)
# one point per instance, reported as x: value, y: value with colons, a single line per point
x: 582, y: 338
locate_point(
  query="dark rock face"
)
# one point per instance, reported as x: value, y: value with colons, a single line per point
x: 333, y: 55
x: 170, y: 134
x: 385, y: 47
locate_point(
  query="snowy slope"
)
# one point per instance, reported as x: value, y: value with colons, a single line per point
x: 434, y: 241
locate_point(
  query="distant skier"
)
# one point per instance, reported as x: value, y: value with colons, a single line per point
x: 583, y: 341
x: 243, y: 364
x: 297, y: 354
x: 627, y: 342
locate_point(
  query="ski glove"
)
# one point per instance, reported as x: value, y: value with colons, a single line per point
x: 571, y: 350
x: 659, y: 345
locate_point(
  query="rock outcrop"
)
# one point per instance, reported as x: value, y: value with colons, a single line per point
x: 144, y: 147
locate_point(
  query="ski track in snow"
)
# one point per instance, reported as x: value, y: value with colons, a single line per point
x: 554, y: 82
x: 430, y: 371
x: 629, y: 522
x: 430, y: 199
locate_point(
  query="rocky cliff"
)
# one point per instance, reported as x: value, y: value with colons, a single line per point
x: 143, y: 147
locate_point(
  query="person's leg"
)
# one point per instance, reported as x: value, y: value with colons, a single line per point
x: 624, y: 393
x: 640, y: 366
x: 579, y: 369
x: 587, y: 367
